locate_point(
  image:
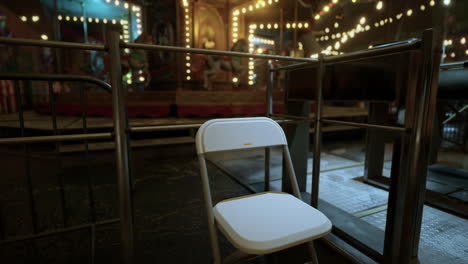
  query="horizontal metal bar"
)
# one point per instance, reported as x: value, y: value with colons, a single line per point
x: 295, y: 66
x: 163, y: 127
x: 377, y: 51
x: 454, y: 65
x: 304, y: 119
x: 51, y: 44
x: 212, y: 52
x: 54, y: 138
x: 58, y: 231
x: 54, y: 77
x: 355, y: 124
x: 458, y: 112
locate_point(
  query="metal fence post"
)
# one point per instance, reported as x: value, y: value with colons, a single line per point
x: 269, y: 112
x: 121, y: 144
x: 317, y: 134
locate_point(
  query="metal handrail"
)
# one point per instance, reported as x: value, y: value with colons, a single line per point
x: 54, y: 77
x: 51, y: 44
x: 55, y: 138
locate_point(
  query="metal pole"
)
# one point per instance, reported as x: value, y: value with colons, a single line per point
x: 85, y: 22
x: 269, y: 112
x: 121, y: 145
x: 317, y: 134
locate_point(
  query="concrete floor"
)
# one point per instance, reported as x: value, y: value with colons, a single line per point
x: 170, y: 221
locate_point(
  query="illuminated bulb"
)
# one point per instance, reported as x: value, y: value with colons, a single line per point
x: 187, y: 64
x: 432, y: 3
x: 59, y: 17
x: 344, y: 39
x: 235, y: 80
x: 188, y: 71
x: 447, y: 2
x: 336, y: 25
x: 244, y: 10
x: 117, y: 3
x: 466, y: 52
x: 108, y: 1
x: 367, y: 27
x: 24, y: 18
x: 354, y: 1
x: 390, y: 20
x: 288, y: 25
x: 269, y: 26
x: 141, y: 79
x: 409, y: 12
x: 317, y: 17
x: 275, y: 26
x: 96, y: 20
x: 327, y: 30
x: 293, y: 25
x: 370, y: 46
x: 326, y: 8
x: 187, y: 58
x: 362, y: 20
x: 90, y: 20
x: 338, y: 35
x: 129, y: 81
x: 113, y: 21
x: 44, y: 37
x: 188, y: 78
x: 326, y: 37
x: 187, y: 40
x: 452, y: 55
x: 75, y: 18
x: 82, y: 19
x: 381, y: 22
x: 376, y: 24
x: 337, y: 45
x: 299, y: 25
x: 422, y: 7
x: 260, y: 50
x: 126, y: 5
x: 463, y: 41
x: 335, y: 1
x: 306, y: 25
x: 251, y: 83
x: 379, y: 5
x: 35, y: 18
x: 351, y: 34
x: 67, y: 18
x: 261, y: 26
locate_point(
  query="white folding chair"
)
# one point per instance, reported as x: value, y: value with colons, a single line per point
x: 260, y: 223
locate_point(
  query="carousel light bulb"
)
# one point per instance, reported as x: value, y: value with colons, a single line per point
x: 335, y: 1
x: 447, y: 3
x: 187, y: 40
x: 382, y: 22
x: 126, y: 5
x: 250, y: 7
x: 35, y: 18
x: 138, y: 14
x: 251, y: 82
x: 306, y: 25
x: 244, y: 10
x: 44, y: 37
x: 75, y: 18
x: 96, y: 20
x: 299, y: 25
x: 344, y: 39
x: 188, y: 78
x: 275, y: 26
x: 463, y: 41
x: 362, y: 20
x: 329, y: 48
x: 67, y: 18
x: 466, y: 52
x: 351, y: 34
x: 235, y: 80
x: 452, y: 55
x: 288, y: 25
x: 390, y: 20
x: 141, y: 79
x: 409, y: 12
x: 59, y: 17
x: 376, y: 24
x: 24, y: 18
x: 187, y: 64
x: 113, y: 21
x: 327, y: 30
x: 187, y: 58
x: 326, y: 8
x: 317, y: 17
x: 336, y: 25
x: 422, y: 7
x: 338, y: 35
x: 108, y: 1
x: 354, y: 1
x: 188, y: 71
x: 367, y: 28
x: 90, y: 20
x: 432, y: 3
x: 293, y: 25
x: 379, y: 5
x: 326, y: 37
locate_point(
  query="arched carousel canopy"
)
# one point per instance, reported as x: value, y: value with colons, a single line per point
x: 98, y: 11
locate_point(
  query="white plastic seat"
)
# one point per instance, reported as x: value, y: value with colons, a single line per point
x: 269, y: 222
x: 260, y: 223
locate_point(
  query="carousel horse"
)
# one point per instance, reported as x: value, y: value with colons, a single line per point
x: 216, y: 64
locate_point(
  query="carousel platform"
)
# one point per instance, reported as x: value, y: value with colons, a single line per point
x: 41, y: 124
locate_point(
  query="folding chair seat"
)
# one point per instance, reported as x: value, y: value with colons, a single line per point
x: 261, y: 223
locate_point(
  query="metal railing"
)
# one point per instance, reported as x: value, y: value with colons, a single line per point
x: 401, y: 238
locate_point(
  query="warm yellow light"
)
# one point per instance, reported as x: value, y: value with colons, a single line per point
x: 96, y: 20
x: 317, y: 17
x: 90, y: 20
x: 422, y: 7
x: 337, y: 45
x: 382, y: 22
x: 188, y: 71
x: 447, y: 2
x: 379, y: 5
x: 235, y: 80
x: 409, y: 12
x: 306, y: 25
x: 336, y: 25
x: 463, y: 41
x: 452, y: 55
x: 187, y: 40
x: 35, y: 18
x: 260, y: 50
x: 113, y: 21
x: 335, y: 1
x: 276, y: 26
x: 44, y: 37
x: 187, y: 58
x: 251, y: 82
x: 244, y: 10
x: 104, y: 21
x: 299, y: 25
x: 344, y: 39
x: 67, y: 18
x: 188, y: 78
x: 250, y: 7
x: 362, y: 20
x: 261, y: 26
x: 129, y: 81
x: 59, y: 17
x: 370, y: 46
x: 293, y: 25
x: 327, y: 30
x: 126, y: 5
x: 326, y: 8
x: 187, y: 64
x: 376, y: 24
x: 432, y: 3
x: 466, y: 52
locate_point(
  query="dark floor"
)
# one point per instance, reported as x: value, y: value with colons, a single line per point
x: 170, y: 221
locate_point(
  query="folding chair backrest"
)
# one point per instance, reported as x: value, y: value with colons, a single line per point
x: 239, y: 133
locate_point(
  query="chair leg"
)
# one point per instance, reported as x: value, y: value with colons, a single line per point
x: 312, y: 252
